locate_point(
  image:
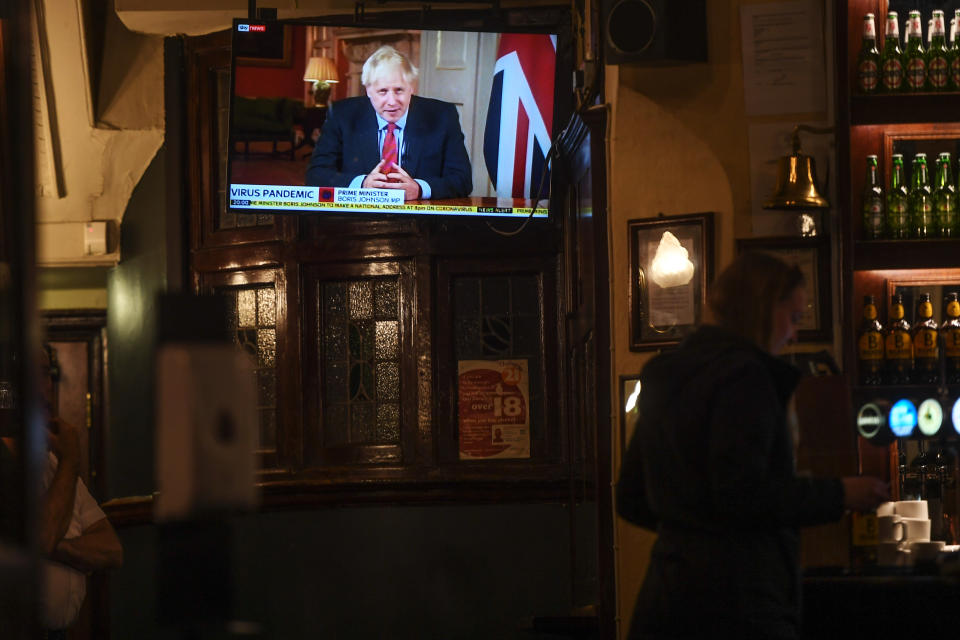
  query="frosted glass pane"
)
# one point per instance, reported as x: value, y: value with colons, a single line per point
x: 386, y: 299
x: 267, y: 306
x: 246, y: 308
x: 267, y: 347
x: 335, y: 341
x: 388, y: 340
x: 334, y: 299
x: 388, y: 381
x: 388, y: 422
x: 361, y: 299
x: 363, y: 425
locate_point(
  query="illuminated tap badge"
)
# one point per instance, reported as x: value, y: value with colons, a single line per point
x: 903, y: 418
x: 929, y: 417
x: 955, y: 415
x: 869, y: 420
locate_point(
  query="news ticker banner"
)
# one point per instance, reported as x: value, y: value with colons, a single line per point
x: 342, y: 200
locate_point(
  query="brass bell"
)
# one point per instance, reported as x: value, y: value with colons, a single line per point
x: 797, y: 179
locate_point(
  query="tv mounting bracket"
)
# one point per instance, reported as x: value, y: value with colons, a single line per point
x: 359, y: 13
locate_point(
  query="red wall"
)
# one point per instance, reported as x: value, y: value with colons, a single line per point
x: 276, y: 82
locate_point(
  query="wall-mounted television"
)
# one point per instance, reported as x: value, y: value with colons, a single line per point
x: 397, y: 114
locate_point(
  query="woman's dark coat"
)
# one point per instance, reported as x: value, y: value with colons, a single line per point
x: 711, y: 468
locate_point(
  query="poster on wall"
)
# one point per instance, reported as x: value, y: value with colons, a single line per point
x: 494, y: 409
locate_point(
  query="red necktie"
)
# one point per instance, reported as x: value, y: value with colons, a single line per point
x: 389, y: 148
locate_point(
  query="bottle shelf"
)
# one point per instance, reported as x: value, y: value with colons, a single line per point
x: 939, y: 253
x: 905, y: 108
x: 892, y: 391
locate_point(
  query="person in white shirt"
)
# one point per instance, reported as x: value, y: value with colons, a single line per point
x: 75, y: 536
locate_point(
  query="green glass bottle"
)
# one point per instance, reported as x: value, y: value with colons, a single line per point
x: 898, y: 202
x: 891, y: 61
x: 868, y: 60
x: 873, y: 202
x: 945, y: 199
x: 954, y: 55
x: 950, y: 332
x: 870, y: 345
x: 926, y: 352
x: 897, y: 348
x: 922, y: 222
x: 938, y: 64
x: 914, y: 57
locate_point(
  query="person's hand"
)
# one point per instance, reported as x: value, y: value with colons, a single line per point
x: 402, y: 180
x: 377, y: 178
x: 390, y: 176
x: 64, y: 440
x: 864, y: 493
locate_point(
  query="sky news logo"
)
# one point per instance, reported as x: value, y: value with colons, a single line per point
x: 252, y: 27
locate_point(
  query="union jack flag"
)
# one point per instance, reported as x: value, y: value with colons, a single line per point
x: 516, y: 140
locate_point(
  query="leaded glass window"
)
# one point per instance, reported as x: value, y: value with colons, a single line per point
x: 253, y: 323
x: 499, y: 317
x: 360, y: 361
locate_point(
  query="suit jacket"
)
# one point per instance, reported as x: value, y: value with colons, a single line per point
x: 435, y: 151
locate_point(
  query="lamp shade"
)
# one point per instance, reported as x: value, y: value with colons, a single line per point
x: 320, y: 69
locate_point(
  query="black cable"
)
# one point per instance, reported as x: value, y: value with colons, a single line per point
x: 554, y: 153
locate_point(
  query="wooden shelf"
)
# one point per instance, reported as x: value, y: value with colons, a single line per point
x: 906, y: 254
x: 905, y: 108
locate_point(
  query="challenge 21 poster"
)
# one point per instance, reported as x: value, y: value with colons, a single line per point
x: 494, y: 409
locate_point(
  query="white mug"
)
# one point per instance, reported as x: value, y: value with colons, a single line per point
x: 891, y: 528
x: 926, y: 550
x: 911, y: 508
x: 886, y: 509
x: 915, y: 530
x: 889, y: 554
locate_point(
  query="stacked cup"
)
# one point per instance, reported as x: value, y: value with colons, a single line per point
x: 891, y: 532
x: 904, y: 533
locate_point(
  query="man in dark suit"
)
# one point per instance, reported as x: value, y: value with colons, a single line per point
x: 392, y: 139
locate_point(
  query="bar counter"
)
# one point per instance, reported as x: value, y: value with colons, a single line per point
x: 900, y: 603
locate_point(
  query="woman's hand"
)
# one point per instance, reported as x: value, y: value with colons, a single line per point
x: 864, y: 493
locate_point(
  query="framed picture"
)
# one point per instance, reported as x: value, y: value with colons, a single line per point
x: 812, y: 255
x: 666, y: 304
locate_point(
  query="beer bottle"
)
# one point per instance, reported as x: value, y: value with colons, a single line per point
x: 926, y: 352
x: 897, y: 348
x: 954, y: 55
x: 898, y: 208
x: 891, y: 61
x: 950, y: 330
x: 870, y: 344
x: 872, y: 202
x: 868, y: 61
x: 938, y: 66
x: 921, y: 200
x: 945, y: 198
x: 914, y: 58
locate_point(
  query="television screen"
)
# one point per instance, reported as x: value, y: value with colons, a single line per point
x: 349, y: 120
